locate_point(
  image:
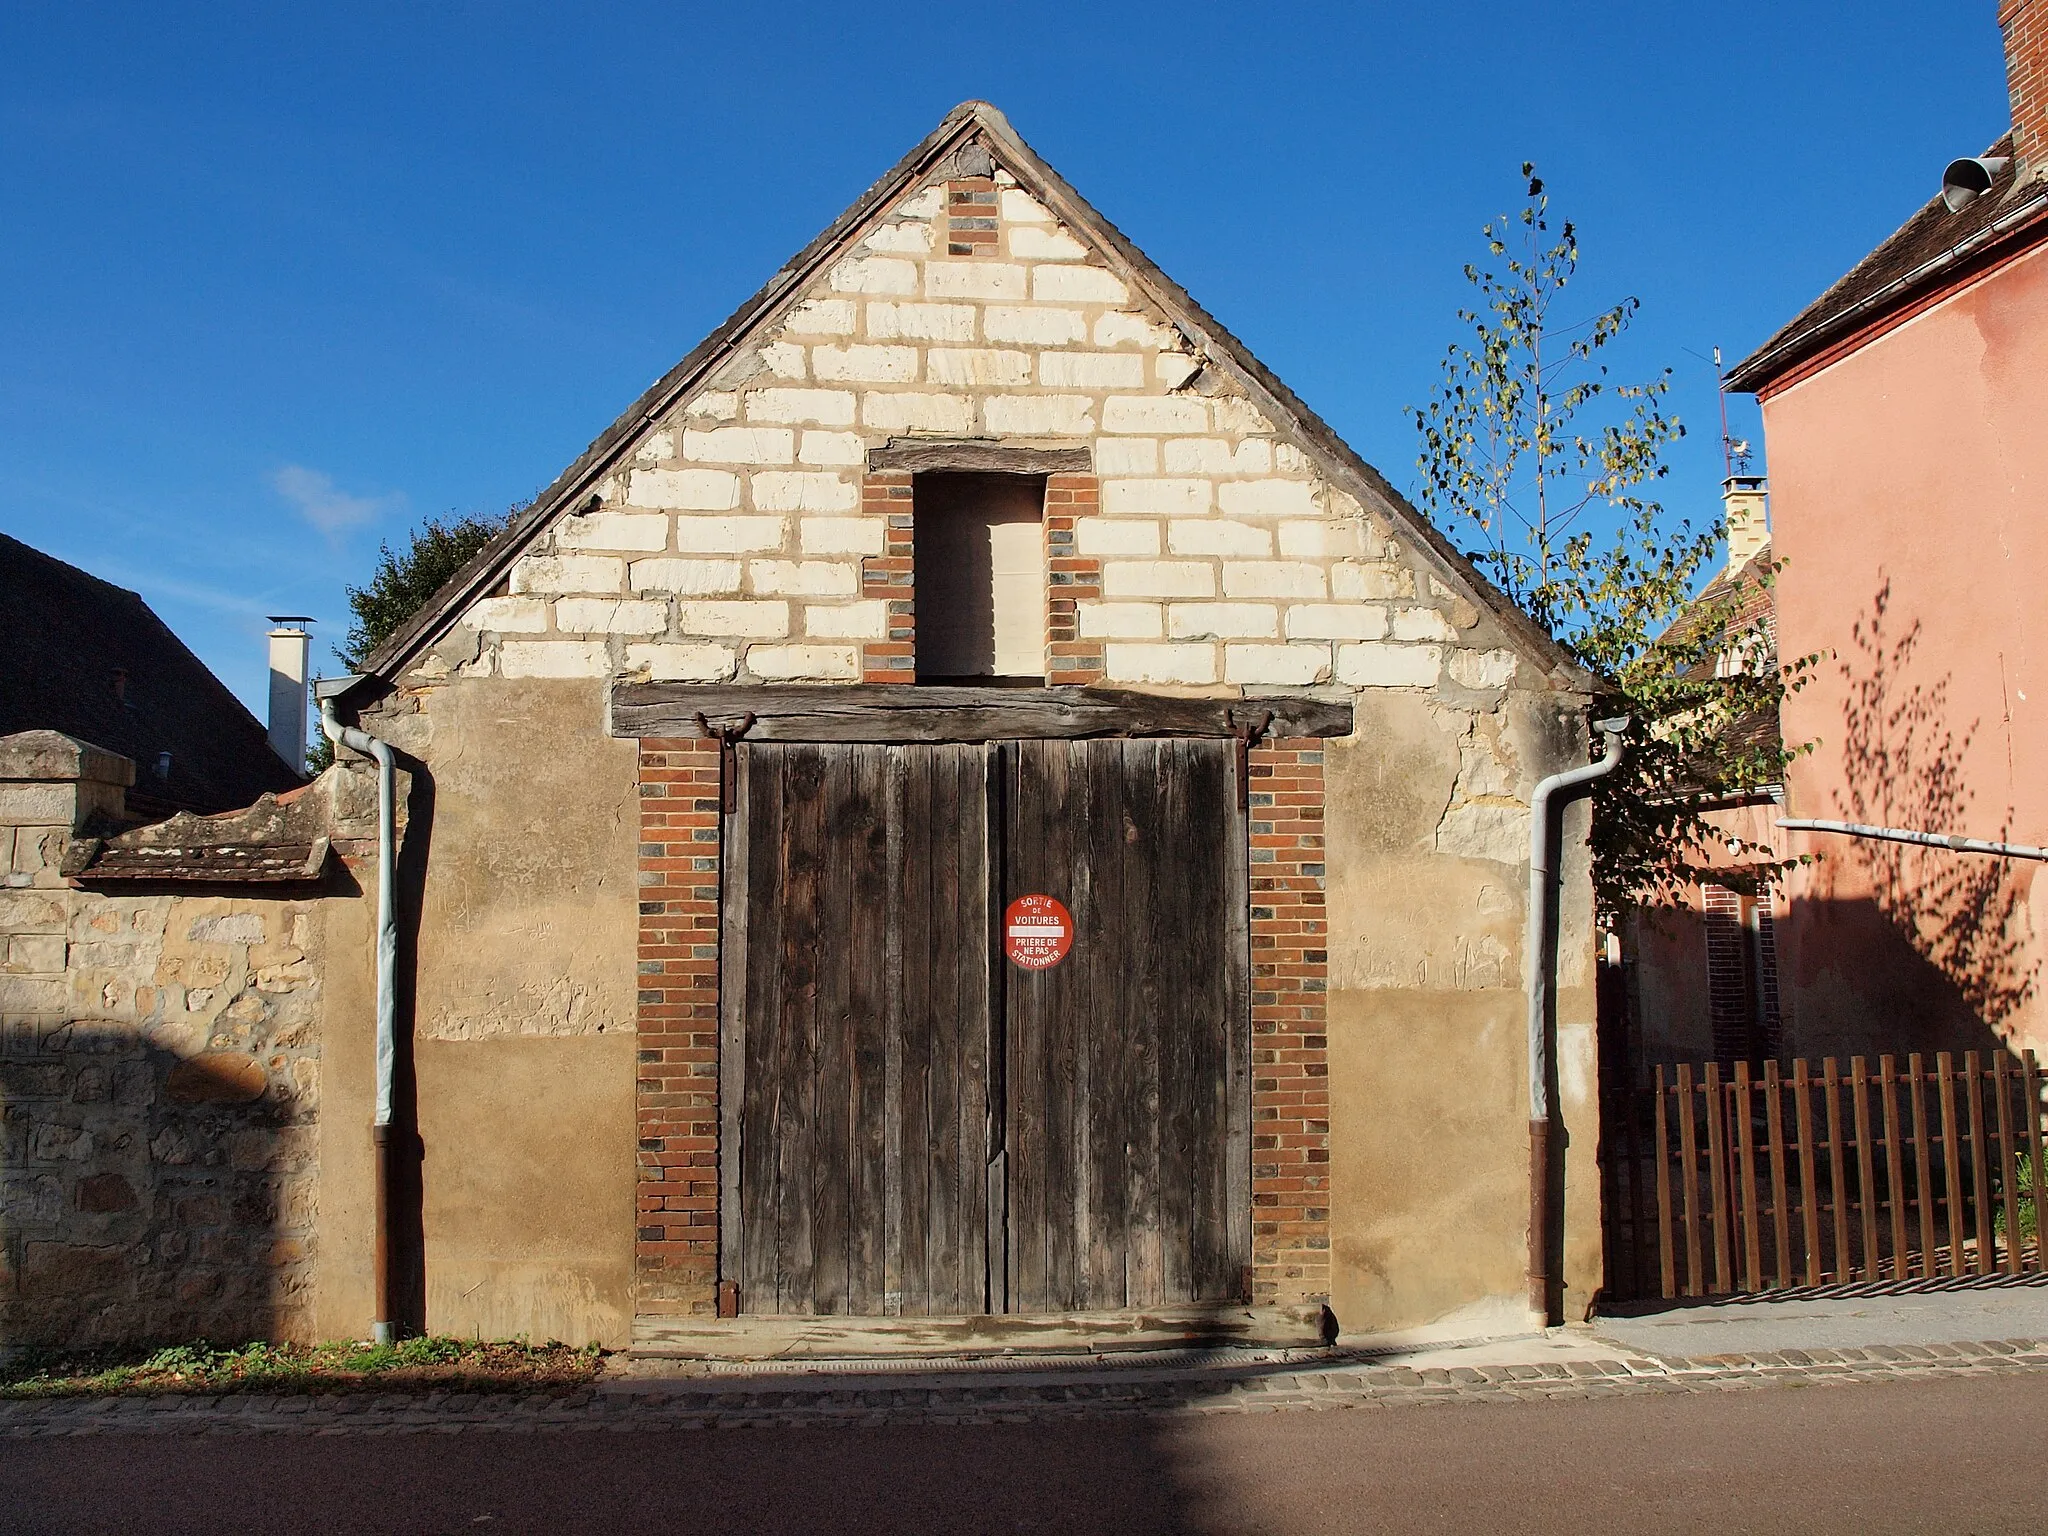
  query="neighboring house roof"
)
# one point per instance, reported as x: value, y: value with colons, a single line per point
x: 87, y: 658
x: 971, y: 121
x: 1933, y: 253
x: 1755, y: 608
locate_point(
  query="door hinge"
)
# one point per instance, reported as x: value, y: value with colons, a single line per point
x: 1247, y: 734
x: 728, y: 757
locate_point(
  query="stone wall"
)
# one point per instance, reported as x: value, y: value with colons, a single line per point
x: 159, y: 1081
x: 733, y: 541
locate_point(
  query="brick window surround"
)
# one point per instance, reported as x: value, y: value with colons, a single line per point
x: 890, y: 577
x: 677, y: 1226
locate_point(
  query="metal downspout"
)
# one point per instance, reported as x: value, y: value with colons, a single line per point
x: 1540, y: 964
x: 382, y: 1329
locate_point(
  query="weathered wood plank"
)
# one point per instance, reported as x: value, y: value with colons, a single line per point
x: 1774, y: 1128
x: 2008, y: 1166
x: 1717, y: 1179
x: 798, y: 1191
x: 1838, y: 1167
x: 1235, y: 1022
x: 1952, y: 1159
x: 1157, y: 902
x: 865, y: 833
x: 1689, y: 1178
x: 964, y: 877
x: 1745, y: 1177
x: 1067, y: 1090
x: 886, y: 712
x: 913, y: 457
x: 1866, y: 1164
x: 1894, y: 1163
x: 759, y: 1281
x: 732, y: 1019
x: 896, y: 855
x: 996, y: 1254
x: 832, y: 1167
x: 1980, y: 1162
x: 913, y: 1111
x: 1923, y: 1175
x: 1204, y: 796
x: 1121, y: 1141
x: 1809, y: 1178
x: 1024, y: 1049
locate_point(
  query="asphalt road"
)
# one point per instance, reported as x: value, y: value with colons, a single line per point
x: 1948, y: 1456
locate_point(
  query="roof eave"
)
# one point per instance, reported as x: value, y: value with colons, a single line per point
x: 2019, y: 227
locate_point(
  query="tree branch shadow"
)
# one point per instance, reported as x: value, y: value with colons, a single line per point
x: 1904, y: 759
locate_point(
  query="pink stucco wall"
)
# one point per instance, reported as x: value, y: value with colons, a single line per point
x: 1910, y: 505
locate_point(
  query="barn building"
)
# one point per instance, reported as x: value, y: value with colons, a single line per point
x: 967, y: 811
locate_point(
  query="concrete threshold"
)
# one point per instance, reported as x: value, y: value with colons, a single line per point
x: 1008, y: 1337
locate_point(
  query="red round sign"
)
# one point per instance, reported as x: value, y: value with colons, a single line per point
x: 1037, y: 932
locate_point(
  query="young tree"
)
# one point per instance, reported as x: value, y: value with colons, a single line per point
x: 1542, y: 468
x: 401, y: 586
x: 402, y: 583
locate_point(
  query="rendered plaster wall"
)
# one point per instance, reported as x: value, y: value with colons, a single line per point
x: 524, y: 819
x: 1907, y: 480
x: 1429, y: 1141
x: 160, y: 1061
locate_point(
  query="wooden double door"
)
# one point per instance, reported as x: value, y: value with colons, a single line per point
x: 911, y: 1125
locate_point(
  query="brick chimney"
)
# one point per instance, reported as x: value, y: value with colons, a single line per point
x: 2025, y: 25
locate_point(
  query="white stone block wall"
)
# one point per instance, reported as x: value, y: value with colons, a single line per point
x: 727, y: 542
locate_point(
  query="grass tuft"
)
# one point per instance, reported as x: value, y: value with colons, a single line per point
x: 421, y: 1364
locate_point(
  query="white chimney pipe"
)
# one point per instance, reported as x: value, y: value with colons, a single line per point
x: 290, y: 650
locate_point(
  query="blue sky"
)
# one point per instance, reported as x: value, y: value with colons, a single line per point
x: 278, y: 281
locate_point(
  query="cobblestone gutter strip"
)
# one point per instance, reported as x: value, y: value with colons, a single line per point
x: 1334, y: 1385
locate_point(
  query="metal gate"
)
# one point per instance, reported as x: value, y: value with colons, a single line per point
x: 912, y: 1127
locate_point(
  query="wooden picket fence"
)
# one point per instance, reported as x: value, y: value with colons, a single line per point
x: 1717, y: 1183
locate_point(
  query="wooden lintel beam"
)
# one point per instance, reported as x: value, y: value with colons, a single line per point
x: 1001, y: 458
x: 890, y: 712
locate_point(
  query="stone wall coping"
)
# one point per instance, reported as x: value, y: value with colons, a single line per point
x: 49, y: 755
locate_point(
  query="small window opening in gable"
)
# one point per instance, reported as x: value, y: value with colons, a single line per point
x: 979, y: 558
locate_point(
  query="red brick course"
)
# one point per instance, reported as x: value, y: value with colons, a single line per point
x: 1290, y: 1043
x: 971, y: 218
x: 1070, y: 577
x: 890, y: 577
x: 676, y: 1238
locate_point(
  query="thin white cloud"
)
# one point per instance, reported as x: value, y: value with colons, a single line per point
x: 324, y: 504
